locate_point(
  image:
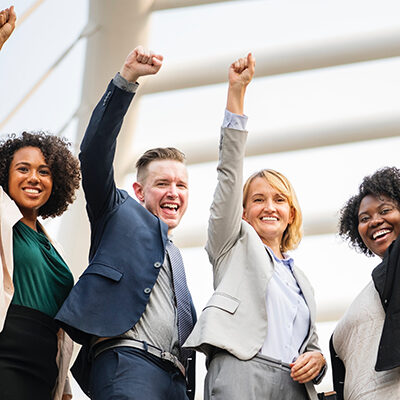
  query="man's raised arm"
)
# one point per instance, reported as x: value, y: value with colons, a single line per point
x: 99, y: 143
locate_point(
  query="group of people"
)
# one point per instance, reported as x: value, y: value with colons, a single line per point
x: 131, y: 309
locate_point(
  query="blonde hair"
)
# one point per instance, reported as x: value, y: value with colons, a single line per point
x: 293, y: 233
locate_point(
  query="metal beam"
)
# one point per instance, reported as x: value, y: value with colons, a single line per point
x: 299, y: 138
x: 273, y: 60
x: 21, y: 19
x: 89, y: 30
x: 160, y: 5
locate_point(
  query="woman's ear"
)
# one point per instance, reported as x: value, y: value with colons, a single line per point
x: 244, y: 215
x: 292, y: 215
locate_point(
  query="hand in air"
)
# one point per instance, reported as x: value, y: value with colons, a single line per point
x: 141, y: 62
x: 7, y: 24
x: 241, y: 72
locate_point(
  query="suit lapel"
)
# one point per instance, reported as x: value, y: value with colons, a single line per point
x: 307, y: 292
x: 10, y: 215
x: 164, y: 231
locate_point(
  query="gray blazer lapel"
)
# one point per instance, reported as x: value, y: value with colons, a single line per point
x: 307, y: 291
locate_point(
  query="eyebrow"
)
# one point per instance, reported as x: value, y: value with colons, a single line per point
x: 385, y: 203
x: 162, y: 180
x: 28, y: 163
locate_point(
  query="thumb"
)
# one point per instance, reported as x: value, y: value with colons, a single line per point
x: 157, y: 59
x: 251, y: 62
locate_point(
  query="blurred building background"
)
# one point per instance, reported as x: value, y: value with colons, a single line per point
x: 324, y: 109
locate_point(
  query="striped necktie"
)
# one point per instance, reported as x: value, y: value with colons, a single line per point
x: 182, y: 295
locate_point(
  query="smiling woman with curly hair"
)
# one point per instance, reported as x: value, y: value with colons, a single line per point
x: 365, y: 345
x: 38, y: 177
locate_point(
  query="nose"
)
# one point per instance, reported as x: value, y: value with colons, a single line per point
x: 269, y: 205
x: 172, y: 191
x: 33, y: 176
x: 375, y: 220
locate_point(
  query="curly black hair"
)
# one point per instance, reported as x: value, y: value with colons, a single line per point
x: 63, y: 165
x: 385, y: 181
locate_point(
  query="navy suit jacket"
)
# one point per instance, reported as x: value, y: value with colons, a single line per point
x: 127, y: 244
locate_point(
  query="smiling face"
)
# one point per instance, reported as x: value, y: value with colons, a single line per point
x: 164, y: 190
x: 30, y: 182
x: 268, y: 211
x: 378, y: 222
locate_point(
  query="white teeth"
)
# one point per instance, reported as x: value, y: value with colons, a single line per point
x: 269, y: 219
x: 35, y: 191
x: 172, y: 206
x: 380, y: 233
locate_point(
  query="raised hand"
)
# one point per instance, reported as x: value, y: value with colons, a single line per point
x: 140, y: 62
x: 241, y: 73
x: 7, y: 24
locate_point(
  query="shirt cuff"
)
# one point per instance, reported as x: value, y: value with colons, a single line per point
x: 321, y: 374
x: 120, y: 82
x: 234, y: 121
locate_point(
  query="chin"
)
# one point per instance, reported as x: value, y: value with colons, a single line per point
x: 172, y: 226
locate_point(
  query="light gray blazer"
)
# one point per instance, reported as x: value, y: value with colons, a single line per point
x: 235, y: 318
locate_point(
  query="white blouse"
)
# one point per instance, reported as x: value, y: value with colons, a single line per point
x: 356, y: 340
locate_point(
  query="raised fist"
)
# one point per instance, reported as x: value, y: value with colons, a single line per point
x: 241, y: 72
x: 7, y: 24
x: 140, y: 62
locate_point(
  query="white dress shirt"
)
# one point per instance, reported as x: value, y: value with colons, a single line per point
x: 288, y: 314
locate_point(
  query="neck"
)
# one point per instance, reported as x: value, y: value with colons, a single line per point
x: 28, y: 222
x: 275, y: 247
x: 29, y: 218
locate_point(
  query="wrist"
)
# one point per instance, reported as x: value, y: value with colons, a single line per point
x: 322, y: 371
x: 237, y: 87
x: 128, y: 74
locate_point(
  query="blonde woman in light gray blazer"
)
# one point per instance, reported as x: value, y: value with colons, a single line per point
x: 258, y: 328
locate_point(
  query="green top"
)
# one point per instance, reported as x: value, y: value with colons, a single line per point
x: 42, y: 280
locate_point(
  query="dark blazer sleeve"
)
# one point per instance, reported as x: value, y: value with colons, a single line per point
x: 338, y: 371
x: 191, y: 367
x: 98, y: 150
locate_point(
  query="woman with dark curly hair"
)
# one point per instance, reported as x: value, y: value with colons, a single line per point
x: 38, y: 178
x: 365, y: 345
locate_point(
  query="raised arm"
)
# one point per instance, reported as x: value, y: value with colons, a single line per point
x: 7, y: 24
x: 99, y: 143
x: 226, y: 209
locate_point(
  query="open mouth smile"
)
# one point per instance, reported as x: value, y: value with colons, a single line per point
x: 31, y: 190
x: 380, y: 234
x: 269, y: 219
x: 170, y: 207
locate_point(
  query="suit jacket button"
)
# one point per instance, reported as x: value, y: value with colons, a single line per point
x: 157, y: 264
x: 147, y: 290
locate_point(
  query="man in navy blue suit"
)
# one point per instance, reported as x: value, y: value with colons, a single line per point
x: 131, y: 309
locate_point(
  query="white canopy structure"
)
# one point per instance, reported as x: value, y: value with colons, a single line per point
x: 323, y: 108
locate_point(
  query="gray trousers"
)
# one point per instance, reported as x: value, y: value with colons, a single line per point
x: 260, y: 378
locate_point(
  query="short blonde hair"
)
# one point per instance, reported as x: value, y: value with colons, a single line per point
x: 293, y: 233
